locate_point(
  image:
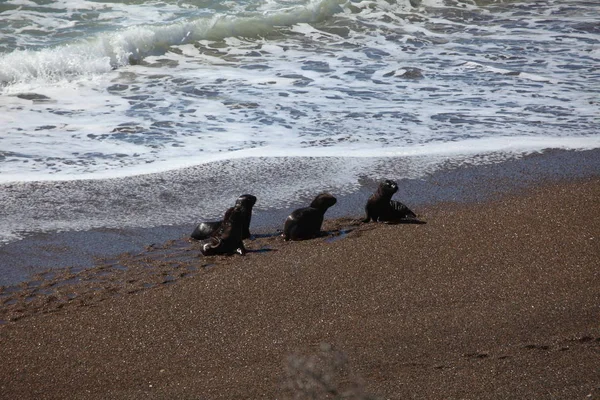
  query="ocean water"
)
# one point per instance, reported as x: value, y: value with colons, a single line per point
x: 144, y: 113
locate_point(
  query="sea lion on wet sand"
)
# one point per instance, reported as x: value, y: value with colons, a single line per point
x: 205, y: 230
x: 229, y: 238
x: 381, y: 207
x: 305, y: 223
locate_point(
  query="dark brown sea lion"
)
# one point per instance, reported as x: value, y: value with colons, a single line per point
x: 381, y: 207
x: 229, y: 239
x: 305, y: 223
x: 205, y: 230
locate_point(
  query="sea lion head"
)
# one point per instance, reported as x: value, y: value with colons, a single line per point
x: 323, y: 201
x: 246, y: 201
x: 388, y: 187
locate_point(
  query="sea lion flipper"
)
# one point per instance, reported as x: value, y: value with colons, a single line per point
x: 288, y: 227
x: 371, y: 209
x: 371, y: 215
x: 208, y: 248
x: 368, y: 214
x: 401, y: 211
x: 241, y: 250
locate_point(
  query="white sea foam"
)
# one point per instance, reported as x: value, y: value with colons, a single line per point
x: 509, y: 145
x: 97, y: 55
x: 96, y: 93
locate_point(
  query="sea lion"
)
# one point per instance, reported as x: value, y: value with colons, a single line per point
x: 305, y: 223
x: 205, y: 230
x: 229, y: 238
x: 381, y: 207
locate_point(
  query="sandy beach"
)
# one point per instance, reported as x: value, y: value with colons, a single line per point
x: 487, y: 300
x: 126, y: 124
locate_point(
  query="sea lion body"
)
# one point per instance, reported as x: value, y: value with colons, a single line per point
x: 305, y: 223
x: 206, y: 230
x: 229, y: 238
x: 246, y: 202
x: 381, y: 207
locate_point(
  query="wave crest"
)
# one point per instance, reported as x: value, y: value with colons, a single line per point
x: 108, y: 51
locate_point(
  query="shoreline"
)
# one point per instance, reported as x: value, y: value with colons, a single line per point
x: 489, y: 299
x: 453, y: 184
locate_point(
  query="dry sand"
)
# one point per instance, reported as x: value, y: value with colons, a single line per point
x: 496, y: 300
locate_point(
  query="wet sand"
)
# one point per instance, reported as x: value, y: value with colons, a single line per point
x: 494, y: 298
x: 20, y: 260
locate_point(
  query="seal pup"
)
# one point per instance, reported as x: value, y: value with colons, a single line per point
x: 305, y: 223
x: 229, y: 239
x: 381, y: 207
x: 205, y: 230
